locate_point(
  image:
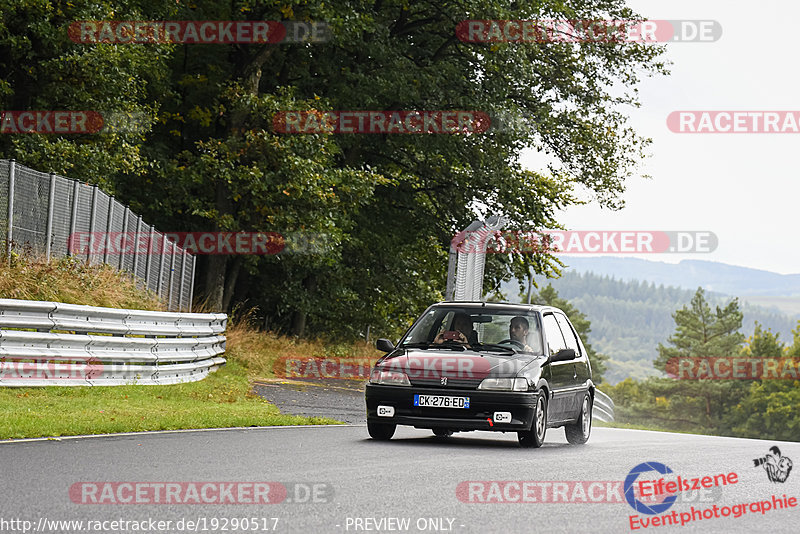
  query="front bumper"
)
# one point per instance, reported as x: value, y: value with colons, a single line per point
x: 482, y: 405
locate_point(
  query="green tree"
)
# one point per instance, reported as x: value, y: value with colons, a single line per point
x: 770, y: 409
x: 387, y: 204
x: 42, y: 69
x: 701, y: 333
x: 410, y: 194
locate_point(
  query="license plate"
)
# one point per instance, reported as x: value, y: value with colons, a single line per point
x: 440, y: 401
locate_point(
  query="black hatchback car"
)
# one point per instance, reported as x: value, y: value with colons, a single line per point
x: 484, y: 366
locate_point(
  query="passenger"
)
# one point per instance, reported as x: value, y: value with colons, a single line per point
x: 462, y: 323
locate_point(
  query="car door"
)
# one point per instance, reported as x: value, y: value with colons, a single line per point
x: 579, y: 385
x: 561, y: 373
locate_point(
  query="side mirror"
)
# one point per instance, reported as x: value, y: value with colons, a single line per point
x: 563, y: 355
x: 384, y: 345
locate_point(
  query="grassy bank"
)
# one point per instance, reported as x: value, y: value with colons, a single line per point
x: 224, y: 399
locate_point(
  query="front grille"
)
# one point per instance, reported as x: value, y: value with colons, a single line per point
x: 452, y: 383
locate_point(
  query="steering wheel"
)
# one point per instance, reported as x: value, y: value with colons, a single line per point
x: 513, y: 342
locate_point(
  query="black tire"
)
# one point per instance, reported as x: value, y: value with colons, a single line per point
x: 442, y: 432
x: 578, y: 432
x: 534, y: 438
x: 381, y: 431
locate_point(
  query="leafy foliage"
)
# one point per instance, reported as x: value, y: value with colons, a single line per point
x: 206, y: 157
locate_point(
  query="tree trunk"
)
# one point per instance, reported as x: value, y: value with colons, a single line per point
x: 215, y: 282
x: 220, y: 285
x: 230, y: 282
x: 299, y: 316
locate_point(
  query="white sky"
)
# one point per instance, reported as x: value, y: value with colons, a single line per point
x: 743, y: 187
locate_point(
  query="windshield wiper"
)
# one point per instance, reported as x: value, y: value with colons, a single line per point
x: 447, y: 344
x: 417, y: 345
x: 492, y: 346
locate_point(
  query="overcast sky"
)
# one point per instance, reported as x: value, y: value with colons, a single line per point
x: 742, y: 187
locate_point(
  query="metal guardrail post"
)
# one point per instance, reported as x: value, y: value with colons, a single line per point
x: 73, y: 220
x: 51, y: 202
x: 10, y: 229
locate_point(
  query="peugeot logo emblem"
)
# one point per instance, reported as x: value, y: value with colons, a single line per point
x: 444, y: 380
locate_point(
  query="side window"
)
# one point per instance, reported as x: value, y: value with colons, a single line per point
x: 555, y: 341
x: 569, y: 334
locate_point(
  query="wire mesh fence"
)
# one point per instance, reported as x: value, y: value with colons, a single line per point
x: 40, y: 213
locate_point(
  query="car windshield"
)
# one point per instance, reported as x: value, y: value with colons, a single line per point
x: 478, y: 328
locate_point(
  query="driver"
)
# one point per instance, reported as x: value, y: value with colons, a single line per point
x: 518, y: 331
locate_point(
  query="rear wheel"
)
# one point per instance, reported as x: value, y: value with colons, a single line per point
x: 381, y: 431
x: 534, y: 437
x: 578, y: 432
x: 442, y: 432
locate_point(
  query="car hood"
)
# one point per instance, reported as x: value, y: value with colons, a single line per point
x: 463, y: 365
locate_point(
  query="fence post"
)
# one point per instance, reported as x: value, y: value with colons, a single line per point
x: 73, y: 220
x: 107, y: 239
x: 171, y: 275
x: 180, y: 284
x: 161, y: 264
x: 51, y: 202
x: 120, y: 263
x: 10, y: 229
x: 191, y: 283
x: 136, y: 247
x: 92, y: 220
x: 149, y: 255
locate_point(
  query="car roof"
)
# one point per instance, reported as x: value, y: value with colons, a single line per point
x: 497, y: 306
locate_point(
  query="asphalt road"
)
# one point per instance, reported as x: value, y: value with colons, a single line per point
x: 342, y: 400
x: 414, y: 476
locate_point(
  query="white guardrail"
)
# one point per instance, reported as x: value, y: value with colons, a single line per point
x: 603, y: 407
x: 56, y: 344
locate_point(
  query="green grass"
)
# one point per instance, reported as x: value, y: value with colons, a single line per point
x: 649, y: 427
x: 224, y: 399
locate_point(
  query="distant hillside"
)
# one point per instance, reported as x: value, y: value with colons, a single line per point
x: 630, y: 318
x: 689, y: 274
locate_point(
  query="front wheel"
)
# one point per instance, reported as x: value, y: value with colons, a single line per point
x: 534, y: 438
x: 381, y: 431
x: 579, y: 431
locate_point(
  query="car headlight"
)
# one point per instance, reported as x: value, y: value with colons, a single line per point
x: 504, y: 384
x: 389, y: 378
